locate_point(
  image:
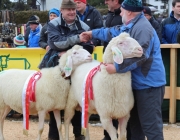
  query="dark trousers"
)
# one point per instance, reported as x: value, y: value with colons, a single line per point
x: 76, y: 122
x: 115, y: 124
x: 146, y: 117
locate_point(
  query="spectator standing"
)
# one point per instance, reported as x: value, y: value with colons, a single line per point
x: 170, y: 27
x: 152, y: 20
x: 148, y: 73
x: 35, y: 29
x: 63, y: 33
x: 113, y: 17
x: 90, y: 16
x: 53, y: 13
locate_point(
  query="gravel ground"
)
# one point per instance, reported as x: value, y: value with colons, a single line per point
x: 13, y: 130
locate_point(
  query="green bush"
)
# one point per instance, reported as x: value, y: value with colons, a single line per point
x: 22, y: 17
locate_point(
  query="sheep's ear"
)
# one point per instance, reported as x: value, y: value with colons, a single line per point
x: 68, y: 67
x: 117, y: 55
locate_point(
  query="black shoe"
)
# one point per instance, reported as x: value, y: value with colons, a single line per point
x: 52, y: 139
x: 106, y: 138
x: 80, y: 138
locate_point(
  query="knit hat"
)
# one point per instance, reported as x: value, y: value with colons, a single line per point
x: 132, y: 5
x: 33, y: 20
x: 54, y: 11
x: 84, y: 1
x: 19, y: 40
x: 68, y: 4
x: 147, y: 10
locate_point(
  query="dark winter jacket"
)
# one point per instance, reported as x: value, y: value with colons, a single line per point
x: 112, y: 19
x: 43, y: 37
x: 93, y: 19
x: 61, y: 37
x: 156, y: 26
x: 170, y: 27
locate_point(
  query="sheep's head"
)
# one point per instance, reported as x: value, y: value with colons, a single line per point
x: 122, y: 47
x: 73, y: 58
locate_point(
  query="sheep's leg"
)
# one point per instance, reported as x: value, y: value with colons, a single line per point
x: 108, y: 126
x: 1, y: 124
x: 69, y: 113
x: 87, y: 130
x: 57, y: 116
x: 41, y: 115
x: 3, y: 114
x: 122, y: 127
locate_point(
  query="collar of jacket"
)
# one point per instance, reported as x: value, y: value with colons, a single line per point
x: 117, y: 11
x: 127, y: 28
x: 172, y: 16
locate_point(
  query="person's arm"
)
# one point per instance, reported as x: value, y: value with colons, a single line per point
x: 58, y: 41
x: 163, y: 35
x: 157, y: 28
x: 43, y: 37
x: 106, y: 34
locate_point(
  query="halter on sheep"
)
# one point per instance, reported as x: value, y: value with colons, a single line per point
x: 113, y: 96
x: 51, y: 89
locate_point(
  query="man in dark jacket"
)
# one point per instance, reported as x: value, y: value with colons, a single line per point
x: 152, y: 20
x: 90, y: 16
x: 113, y: 17
x: 53, y: 13
x: 63, y: 33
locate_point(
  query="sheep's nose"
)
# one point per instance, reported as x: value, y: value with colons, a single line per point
x: 89, y: 56
x: 140, y: 50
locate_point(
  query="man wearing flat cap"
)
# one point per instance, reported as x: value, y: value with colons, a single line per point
x: 63, y: 33
x: 148, y: 73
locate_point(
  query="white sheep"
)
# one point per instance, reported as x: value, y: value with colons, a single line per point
x: 113, y: 97
x: 51, y: 89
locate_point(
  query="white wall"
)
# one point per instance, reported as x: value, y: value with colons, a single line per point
x: 53, y: 4
x: 170, y: 6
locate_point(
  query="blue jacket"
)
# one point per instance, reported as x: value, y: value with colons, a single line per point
x: 170, y: 27
x: 148, y: 70
x: 34, y: 37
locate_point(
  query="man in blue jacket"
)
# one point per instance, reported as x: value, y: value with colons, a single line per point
x: 170, y: 27
x: 148, y: 73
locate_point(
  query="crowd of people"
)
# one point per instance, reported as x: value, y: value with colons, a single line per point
x: 77, y: 22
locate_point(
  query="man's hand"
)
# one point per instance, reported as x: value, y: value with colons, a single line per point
x: 85, y: 36
x: 110, y: 68
x: 61, y: 53
x: 47, y: 48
